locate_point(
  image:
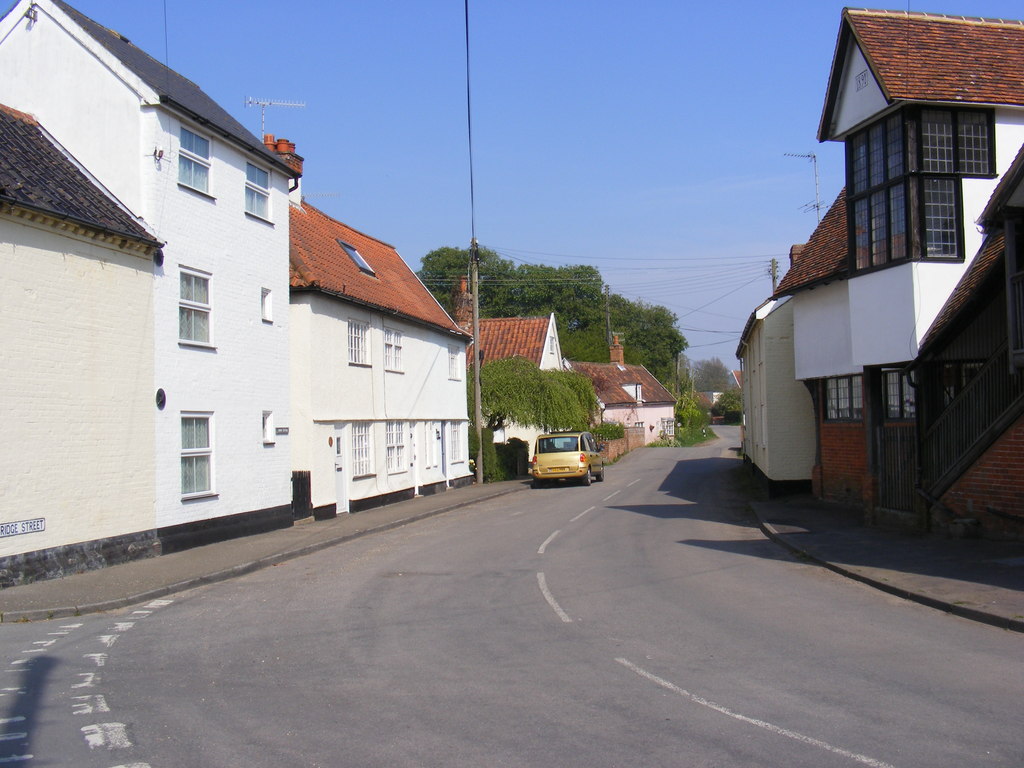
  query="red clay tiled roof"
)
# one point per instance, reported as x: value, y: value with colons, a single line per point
x: 319, y: 262
x: 933, y: 57
x: 824, y: 257
x: 609, y: 378
x: 988, y: 259
x: 503, y: 337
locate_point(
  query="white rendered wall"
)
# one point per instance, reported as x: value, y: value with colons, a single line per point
x: 79, y: 92
x: 76, y: 391
x: 328, y: 391
x: 101, y: 113
x: 859, y: 97
x: 821, y: 332
x: 551, y: 359
x: 245, y: 369
x: 780, y: 437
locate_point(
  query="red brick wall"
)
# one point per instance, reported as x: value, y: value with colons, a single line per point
x: 843, y: 470
x: 995, y: 480
x: 634, y: 439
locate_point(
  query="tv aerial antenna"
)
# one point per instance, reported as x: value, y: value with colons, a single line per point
x: 252, y: 101
x: 816, y: 205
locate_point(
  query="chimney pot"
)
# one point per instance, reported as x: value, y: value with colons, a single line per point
x: 270, y: 142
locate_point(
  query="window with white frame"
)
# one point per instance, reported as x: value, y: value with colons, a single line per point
x: 267, y: 305
x: 362, y: 453
x: 392, y: 349
x: 257, y: 191
x: 268, y: 427
x: 455, y: 444
x: 194, y: 160
x: 395, y: 432
x: 358, y: 346
x: 454, y: 369
x: 194, y: 307
x: 196, y: 454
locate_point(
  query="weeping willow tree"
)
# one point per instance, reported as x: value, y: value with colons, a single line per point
x: 515, y: 390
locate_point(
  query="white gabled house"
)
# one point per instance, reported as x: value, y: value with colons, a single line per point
x: 77, y: 459
x: 778, y: 433
x: 379, y: 410
x: 218, y: 199
x: 931, y: 111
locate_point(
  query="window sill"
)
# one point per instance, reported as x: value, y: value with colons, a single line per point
x: 197, y: 192
x: 199, y: 496
x: 360, y: 365
x: 257, y: 217
x: 196, y: 345
x: 394, y: 370
x: 364, y: 477
x: 267, y: 321
x: 269, y: 443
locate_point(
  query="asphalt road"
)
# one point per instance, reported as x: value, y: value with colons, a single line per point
x: 643, y: 621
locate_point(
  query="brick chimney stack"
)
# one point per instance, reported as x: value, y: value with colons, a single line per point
x: 285, y: 150
x: 795, y: 252
x: 462, y: 302
x: 615, y: 351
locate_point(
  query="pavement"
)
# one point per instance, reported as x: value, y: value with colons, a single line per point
x: 973, y: 578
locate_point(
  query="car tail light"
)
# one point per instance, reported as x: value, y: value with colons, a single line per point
x: 583, y: 458
x: 533, y: 460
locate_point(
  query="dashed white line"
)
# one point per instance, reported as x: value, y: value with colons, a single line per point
x: 864, y: 759
x: 547, y: 541
x: 581, y: 514
x: 9, y: 720
x: 630, y: 485
x: 614, y: 493
x: 551, y: 600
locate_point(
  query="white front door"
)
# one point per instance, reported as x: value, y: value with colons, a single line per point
x: 340, y: 469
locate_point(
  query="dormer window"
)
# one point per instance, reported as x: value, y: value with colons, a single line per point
x: 904, y: 177
x: 356, y: 257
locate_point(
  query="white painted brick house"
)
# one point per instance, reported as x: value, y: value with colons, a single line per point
x: 218, y: 199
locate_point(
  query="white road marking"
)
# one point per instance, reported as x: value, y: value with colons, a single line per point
x: 13, y: 736
x: 123, y: 626
x: 864, y: 759
x: 91, y: 678
x: 107, y: 735
x: 9, y: 720
x: 546, y: 542
x: 551, y: 600
x: 71, y: 626
x: 108, y: 640
x: 6, y: 691
x: 44, y: 643
x: 614, y: 493
x: 15, y: 759
x: 581, y: 514
x: 158, y: 603
x: 141, y: 613
x: 134, y: 765
x: 87, y: 705
x: 100, y: 659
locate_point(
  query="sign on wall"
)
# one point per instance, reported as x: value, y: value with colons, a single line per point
x: 22, y: 526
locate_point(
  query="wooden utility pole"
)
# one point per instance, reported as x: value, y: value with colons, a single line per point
x: 478, y: 416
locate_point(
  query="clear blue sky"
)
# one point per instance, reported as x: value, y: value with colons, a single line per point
x: 648, y: 139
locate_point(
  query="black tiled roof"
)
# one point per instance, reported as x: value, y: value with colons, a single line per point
x: 175, y: 90
x: 35, y: 174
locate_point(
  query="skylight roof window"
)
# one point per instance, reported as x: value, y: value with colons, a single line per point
x: 357, y: 258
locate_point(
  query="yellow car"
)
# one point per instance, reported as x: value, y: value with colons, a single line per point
x: 567, y: 456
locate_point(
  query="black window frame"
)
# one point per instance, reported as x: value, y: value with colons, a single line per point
x: 898, y: 188
x: 898, y: 396
x: 853, y: 388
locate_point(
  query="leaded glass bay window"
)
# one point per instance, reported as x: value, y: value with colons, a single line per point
x: 904, y: 177
x: 844, y: 400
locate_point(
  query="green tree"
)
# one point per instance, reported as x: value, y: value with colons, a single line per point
x: 647, y: 331
x: 515, y: 390
x: 712, y: 376
x: 729, y: 406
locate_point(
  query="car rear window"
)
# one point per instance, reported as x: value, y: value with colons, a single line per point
x: 561, y: 444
